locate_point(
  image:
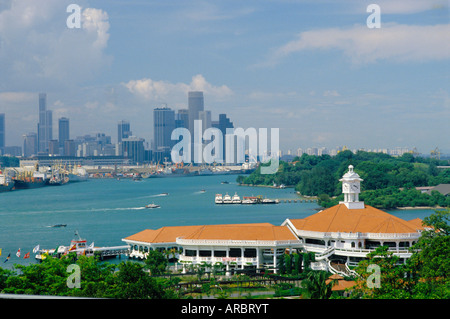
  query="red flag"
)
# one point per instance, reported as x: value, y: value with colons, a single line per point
x: 27, y: 255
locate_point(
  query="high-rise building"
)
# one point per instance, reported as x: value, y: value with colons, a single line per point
x: 63, y: 133
x: 45, y: 127
x: 123, y: 130
x: 69, y: 148
x: 53, y: 147
x: 29, y: 144
x: 222, y: 124
x: 2, y: 132
x: 195, y: 105
x: 163, y: 124
x: 133, y: 148
x: 205, y: 117
x: 182, y: 118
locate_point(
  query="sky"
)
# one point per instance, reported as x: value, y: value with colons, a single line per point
x: 313, y: 69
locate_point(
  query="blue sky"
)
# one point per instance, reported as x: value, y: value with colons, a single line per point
x: 313, y: 69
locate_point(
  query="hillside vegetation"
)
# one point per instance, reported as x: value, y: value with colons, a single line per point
x: 388, y: 181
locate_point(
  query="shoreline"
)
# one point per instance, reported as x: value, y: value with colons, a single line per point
x: 419, y: 207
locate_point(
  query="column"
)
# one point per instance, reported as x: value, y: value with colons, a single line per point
x: 275, y: 260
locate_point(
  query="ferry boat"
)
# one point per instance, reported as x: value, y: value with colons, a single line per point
x: 270, y: 201
x: 250, y: 200
x: 219, y: 199
x: 236, y: 199
x: 79, y: 246
x: 227, y: 199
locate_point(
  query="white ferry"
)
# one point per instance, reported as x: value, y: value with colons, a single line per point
x: 236, y: 199
x: 227, y: 199
x: 79, y: 246
x: 219, y: 199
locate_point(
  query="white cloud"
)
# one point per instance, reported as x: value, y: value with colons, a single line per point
x: 392, y: 42
x: 36, y: 46
x: 161, y: 90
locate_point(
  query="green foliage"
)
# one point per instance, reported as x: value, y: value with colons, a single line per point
x: 383, y: 176
x: 156, y: 262
x: 98, y: 280
x: 9, y: 161
x: 425, y: 275
x: 315, y: 285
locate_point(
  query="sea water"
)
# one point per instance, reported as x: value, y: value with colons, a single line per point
x: 105, y: 211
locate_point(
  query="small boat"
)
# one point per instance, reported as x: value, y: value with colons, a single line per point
x: 59, y: 225
x: 163, y: 194
x: 202, y: 191
x: 225, y: 182
x: 219, y: 199
x: 152, y: 206
x: 270, y: 201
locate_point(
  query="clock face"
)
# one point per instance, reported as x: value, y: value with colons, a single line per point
x: 355, y: 187
x: 345, y: 187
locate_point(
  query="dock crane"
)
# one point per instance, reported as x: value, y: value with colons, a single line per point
x: 436, y: 153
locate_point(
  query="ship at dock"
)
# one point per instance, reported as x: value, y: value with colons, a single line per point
x: 79, y: 247
x: 235, y: 199
x: 6, y: 182
x: 77, y: 174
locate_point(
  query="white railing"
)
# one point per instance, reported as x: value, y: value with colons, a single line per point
x: 252, y: 243
x: 195, y: 259
x: 344, y: 235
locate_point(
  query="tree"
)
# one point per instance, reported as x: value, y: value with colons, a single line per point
x: 156, y: 262
x: 429, y: 266
x: 316, y: 286
x: 134, y: 283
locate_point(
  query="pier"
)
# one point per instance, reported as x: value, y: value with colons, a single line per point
x: 109, y: 252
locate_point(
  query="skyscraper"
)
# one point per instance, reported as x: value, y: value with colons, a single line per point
x: 63, y: 132
x: 182, y: 118
x: 123, y: 130
x: 29, y: 144
x: 45, y: 127
x: 163, y: 124
x: 222, y: 124
x: 195, y: 105
x: 2, y: 132
x: 133, y: 148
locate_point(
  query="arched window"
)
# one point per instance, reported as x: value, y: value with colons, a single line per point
x: 353, y: 244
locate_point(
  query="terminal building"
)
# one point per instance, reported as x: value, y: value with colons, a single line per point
x: 340, y: 235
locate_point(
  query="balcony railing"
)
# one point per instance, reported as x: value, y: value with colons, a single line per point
x: 249, y: 243
x: 344, y: 235
x: 238, y: 260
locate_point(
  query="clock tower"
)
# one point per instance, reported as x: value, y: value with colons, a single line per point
x: 351, y: 187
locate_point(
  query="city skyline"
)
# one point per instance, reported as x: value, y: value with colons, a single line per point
x: 316, y: 71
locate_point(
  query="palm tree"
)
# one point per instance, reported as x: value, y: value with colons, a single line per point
x: 316, y: 286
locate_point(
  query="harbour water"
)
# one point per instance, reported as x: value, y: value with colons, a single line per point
x: 106, y: 210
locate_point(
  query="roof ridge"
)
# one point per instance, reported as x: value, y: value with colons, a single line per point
x: 334, y: 216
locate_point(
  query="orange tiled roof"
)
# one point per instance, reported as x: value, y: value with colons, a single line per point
x: 368, y: 220
x: 257, y: 231
x: 243, y: 232
x: 341, y: 284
